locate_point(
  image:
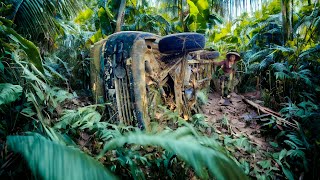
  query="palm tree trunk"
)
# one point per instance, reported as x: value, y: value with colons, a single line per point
x: 286, y: 8
x: 120, y: 16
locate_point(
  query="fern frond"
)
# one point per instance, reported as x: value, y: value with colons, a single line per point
x: 59, y: 95
x: 52, y: 161
x: 82, y: 118
x: 202, y: 97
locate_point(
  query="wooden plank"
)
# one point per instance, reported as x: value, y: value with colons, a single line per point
x: 193, y: 61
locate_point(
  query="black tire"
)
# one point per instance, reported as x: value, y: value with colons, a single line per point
x: 181, y: 42
x: 207, y: 55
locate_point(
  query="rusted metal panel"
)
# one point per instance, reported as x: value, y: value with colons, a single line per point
x: 139, y: 79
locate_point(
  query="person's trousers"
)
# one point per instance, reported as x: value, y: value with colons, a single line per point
x: 226, y: 84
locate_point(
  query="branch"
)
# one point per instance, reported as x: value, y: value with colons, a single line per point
x: 269, y: 112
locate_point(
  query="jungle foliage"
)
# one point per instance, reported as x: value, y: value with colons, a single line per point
x: 285, y: 68
x: 47, y: 119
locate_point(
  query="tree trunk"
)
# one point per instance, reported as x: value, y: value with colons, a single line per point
x: 230, y: 10
x: 291, y: 20
x: 286, y: 8
x: 236, y: 6
x: 180, y: 7
x: 120, y: 15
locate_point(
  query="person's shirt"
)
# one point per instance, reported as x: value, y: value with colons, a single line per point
x: 226, y: 66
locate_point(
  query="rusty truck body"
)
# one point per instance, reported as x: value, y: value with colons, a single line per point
x: 137, y: 71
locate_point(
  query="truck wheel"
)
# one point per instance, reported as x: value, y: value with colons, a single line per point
x: 181, y: 43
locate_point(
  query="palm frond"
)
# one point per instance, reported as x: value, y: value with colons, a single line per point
x: 304, y: 75
x: 9, y: 93
x: 274, y: 31
x: 281, y: 71
x: 254, y: 67
x: 307, y: 20
x: 302, y: 22
x: 311, y: 52
x: 280, y: 67
x: 247, y: 55
x: 283, y: 49
x: 254, y: 39
x: 281, y: 75
x: 49, y: 160
x: 267, y: 61
x: 188, y: 148
x: 256, y: 57
x: 37, y: 17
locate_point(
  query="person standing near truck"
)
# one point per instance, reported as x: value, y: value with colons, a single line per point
x: 227, y: 73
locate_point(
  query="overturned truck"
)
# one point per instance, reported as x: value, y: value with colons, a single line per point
x: 137, y: 71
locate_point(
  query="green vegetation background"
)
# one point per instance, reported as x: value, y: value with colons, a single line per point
x: 44, y: 77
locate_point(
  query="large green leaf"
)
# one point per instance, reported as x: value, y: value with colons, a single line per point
x: 105, y: 23
x: 31, y: 50
x: 49, y: 160
x: 193, y: 8
x: 201, y: 157
x: 9, y: 93
x: 84, y: 16
x: 199, y: 14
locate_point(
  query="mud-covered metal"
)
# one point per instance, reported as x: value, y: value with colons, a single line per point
x: 126, y: 38
x: 135, y: 75
x: 120, y: 85
x: 117, y: 50
x: 97, y: 71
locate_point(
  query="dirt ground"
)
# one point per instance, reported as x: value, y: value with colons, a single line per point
x: 238, y: 120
